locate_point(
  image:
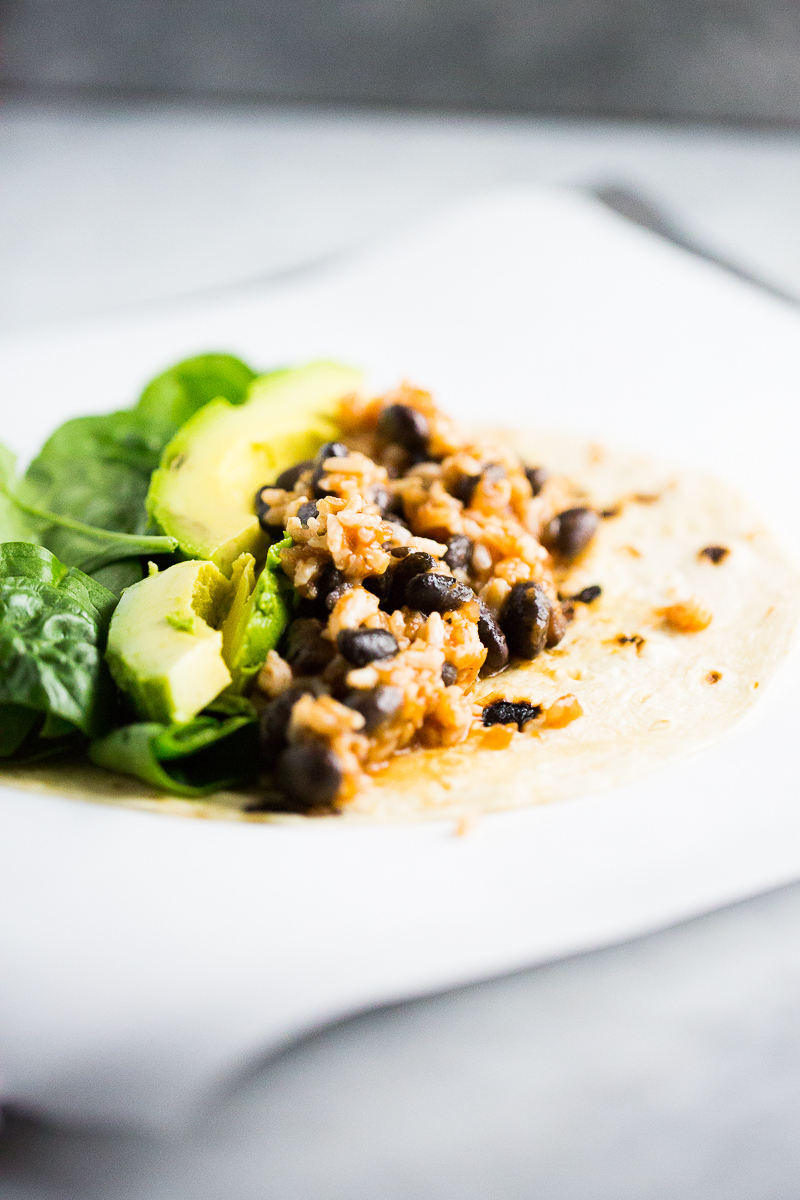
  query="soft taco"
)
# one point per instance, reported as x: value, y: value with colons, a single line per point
x: 318, y: 602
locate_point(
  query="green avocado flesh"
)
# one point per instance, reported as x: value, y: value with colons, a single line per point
x: 164, y: 649
x: 203, y: 493
x: 180, y: 637
x: 257, y: 617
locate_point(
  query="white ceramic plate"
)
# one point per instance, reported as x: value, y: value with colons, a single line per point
x: 145, y: 956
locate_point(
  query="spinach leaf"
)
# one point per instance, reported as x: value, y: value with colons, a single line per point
x: 89, y: 481
x: 192, y: 760
x: 16, y: 723
x: 96, y: 470
x: 14, y: 525
x: 84, y: 493
x: 23, y: 560
x: 117, y: 576
x: 53, y: 624
x: 94, y: 547
x: 229, y: 704
x: 171, y: 398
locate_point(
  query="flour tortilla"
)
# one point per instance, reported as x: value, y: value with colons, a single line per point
x: 643, y: 703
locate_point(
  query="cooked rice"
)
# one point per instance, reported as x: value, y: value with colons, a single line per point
x: 378, y: 499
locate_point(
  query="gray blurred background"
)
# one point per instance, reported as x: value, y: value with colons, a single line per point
x: 702, y: 59
x: 153, y: 151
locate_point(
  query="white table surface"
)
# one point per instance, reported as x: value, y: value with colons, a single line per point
x: 665, y: 1068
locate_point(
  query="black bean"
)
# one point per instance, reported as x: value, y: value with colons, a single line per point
x: 275, y: 718
x: 393, y: 507
x: 436, y: 593
x: 307, y: 651
x: 309, y: 775
x: 390, y: 586
x: 404, y: 427
x: 588, y: 595
x: 329, y: 450
x: 537, y: 478
x: 511, y: 712
x: 401, y: 521
x: 459, y: 552
x: 330, y: 585
x: 412, y: 564
x: 525, y: 619
x: 261, y: 504
x: 305, y: 607
x: 274, y: 532
x: 375, y: 705
x: 569, y: 534
x: 449, y: 674
x: 464, y: 490
x: 379, y: 495
x: 380, y: 586
x: 306, y: 511
x: 363, y: 646
x: 288, y: 478
x: 493, y: 639
x: 335, y: 595
x: 272, y: 728
x: 328, y: 579
x: 335, y: 676
x: 270, y: 800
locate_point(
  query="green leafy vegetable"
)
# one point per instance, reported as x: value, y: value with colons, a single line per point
x: 117, y: 576
x: 254, y: 627
x: 171, y: 398
x: 96, y: 470
x: 16, y: 723
x: 14, y: 526
x: 84, y: 493
x: 229, y: 704
x: 95, y: 547
x: 23, y: 560
x: 75, y: 534
x: 53, y: 623
x: 191, y: 760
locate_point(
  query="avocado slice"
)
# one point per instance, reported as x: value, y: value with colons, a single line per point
x: 257, y: 617
x: 204, y: 491
x: 164, y: 649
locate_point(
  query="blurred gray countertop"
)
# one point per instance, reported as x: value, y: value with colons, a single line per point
x: 106, y: 208
x: 664, y: 1069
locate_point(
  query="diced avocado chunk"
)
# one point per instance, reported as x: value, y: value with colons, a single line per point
x: 257, y: 619
x: 163, y: 647
x: 204, y: 491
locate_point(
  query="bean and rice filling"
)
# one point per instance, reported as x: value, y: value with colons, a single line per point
x: 422, y: 560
